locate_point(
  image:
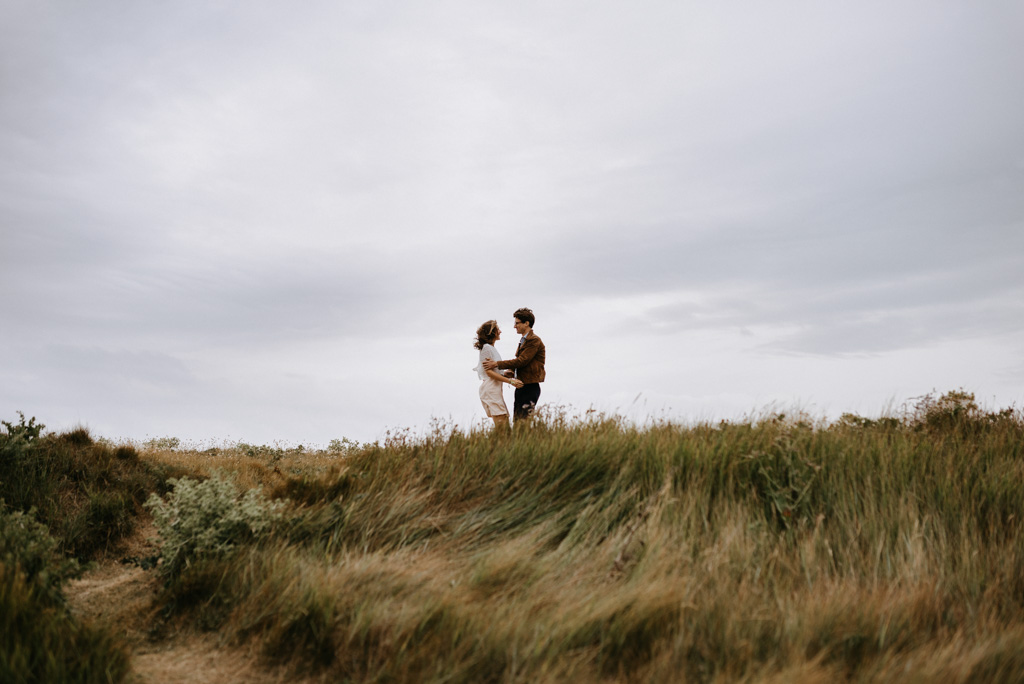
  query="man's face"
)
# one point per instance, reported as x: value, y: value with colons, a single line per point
x: 521, y: 326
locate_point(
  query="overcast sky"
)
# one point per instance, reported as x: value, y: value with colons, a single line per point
x: 270, y: 221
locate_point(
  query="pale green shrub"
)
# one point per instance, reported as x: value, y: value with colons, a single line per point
x: 343, y: 446
x: 168, y: 443
x: 207, y: 519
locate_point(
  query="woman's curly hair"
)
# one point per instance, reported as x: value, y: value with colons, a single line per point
x: 486, y: 334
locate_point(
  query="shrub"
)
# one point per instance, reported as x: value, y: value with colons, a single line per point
x: 79, y: 437
x: 272, y: 453
x: 22, y: 476
x: 343, y: 446
x: 26, y: 543
x: 952, y: 409
x: 22, y: 432
x: 106, y: 517
x: 207, y: 519
x: 126, y: 453
x: 167, y: 443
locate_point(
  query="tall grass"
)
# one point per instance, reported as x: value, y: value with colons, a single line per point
x: 770, y: 550
x: 40, y: 642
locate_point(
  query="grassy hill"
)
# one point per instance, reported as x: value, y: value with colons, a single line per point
x: 775, y: 549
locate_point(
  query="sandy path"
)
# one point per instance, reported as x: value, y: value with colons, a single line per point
x: 121, y: 596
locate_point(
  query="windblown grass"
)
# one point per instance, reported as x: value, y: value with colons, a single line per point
x: 41, y: 642
x: 770, y: 550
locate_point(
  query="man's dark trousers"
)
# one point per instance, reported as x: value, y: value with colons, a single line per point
x: 525, y: 400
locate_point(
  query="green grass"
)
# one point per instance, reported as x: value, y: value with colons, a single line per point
x: 778, y: 549
x: 771, y: 550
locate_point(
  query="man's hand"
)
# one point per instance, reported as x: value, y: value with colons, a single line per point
x: 489, y: 364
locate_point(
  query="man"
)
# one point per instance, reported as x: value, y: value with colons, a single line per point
x: 528, y: 365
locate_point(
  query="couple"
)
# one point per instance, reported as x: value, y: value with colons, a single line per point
x: 525, y: 372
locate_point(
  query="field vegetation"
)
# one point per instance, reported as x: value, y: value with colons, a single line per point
x: 775, y: 549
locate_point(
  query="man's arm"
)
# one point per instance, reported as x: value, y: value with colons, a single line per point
x: 526, y: 354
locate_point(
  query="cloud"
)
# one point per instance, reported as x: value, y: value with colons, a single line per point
x: 194, y: 197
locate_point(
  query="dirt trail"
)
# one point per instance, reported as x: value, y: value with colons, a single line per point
x: 121, y: 595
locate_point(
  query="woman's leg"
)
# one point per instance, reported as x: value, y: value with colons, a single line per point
x: 500, y: 421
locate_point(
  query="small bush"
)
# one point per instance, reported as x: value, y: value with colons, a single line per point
x: 126, y: 453
x: 951, y: 410
x: 852, y: 420
x: 26, y: 543
x: 22, y: 432
x: 168, y: 443
x: 207, y: 519
x: 105, y: 518
x: 343, y: 446
x: 78, y: 437
x: 22, y: 477
x: 271, y: 453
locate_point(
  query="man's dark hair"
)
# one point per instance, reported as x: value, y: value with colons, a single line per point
x: 525, y: 315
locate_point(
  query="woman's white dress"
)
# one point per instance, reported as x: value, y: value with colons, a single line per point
x: 490, y: 389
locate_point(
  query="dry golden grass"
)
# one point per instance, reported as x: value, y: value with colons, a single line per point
x: 250, y: 470
x: 772, y: 551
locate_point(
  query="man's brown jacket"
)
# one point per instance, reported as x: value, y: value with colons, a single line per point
x: 529, y: 360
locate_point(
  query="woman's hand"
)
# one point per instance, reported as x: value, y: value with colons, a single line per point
x: 516, y: 382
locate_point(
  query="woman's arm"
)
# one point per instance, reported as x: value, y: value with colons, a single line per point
x: 502, y: 378
x: 485, y: 357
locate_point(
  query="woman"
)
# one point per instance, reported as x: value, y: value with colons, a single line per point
x: 492, y: 381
